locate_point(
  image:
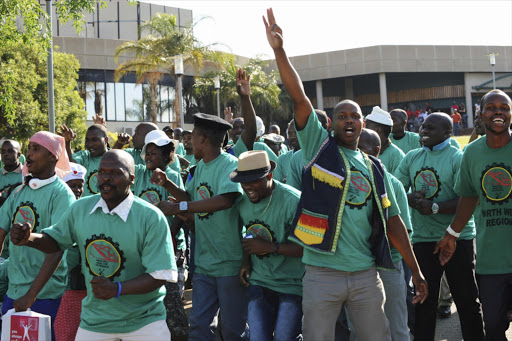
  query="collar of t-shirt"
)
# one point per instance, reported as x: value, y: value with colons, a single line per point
x: 121, y: 210
x: 36, y: 183
x: 439, y: 146
x: 17, y: 170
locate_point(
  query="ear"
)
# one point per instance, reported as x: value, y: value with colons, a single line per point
x: 132, y: 179
x: 106, y: 139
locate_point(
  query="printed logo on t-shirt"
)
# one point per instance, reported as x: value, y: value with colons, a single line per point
x: 497, y: 183
x: 359, y: 190
x: 92, y: 182
x: 103, y: 256
x: 427, y: 179
x: 258, y: 229
x: 205, y: 192
x: 151, y: 195
x: 26, y: 213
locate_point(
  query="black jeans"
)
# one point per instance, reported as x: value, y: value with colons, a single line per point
x: 460, y: 273
x: 496, y: 297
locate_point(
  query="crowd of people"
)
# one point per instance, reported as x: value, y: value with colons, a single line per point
x: 347, y: 231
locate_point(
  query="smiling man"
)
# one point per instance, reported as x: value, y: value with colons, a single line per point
x: 430, y: 173
x: 11, y: 170
x: 39, y: 202
x: 127, y: 255
x: 272, y: 269
x: 484, y: 184
x: 344, y: 240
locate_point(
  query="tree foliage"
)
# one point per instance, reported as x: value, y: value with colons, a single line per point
x: 270, y: 103
x: 23, y: 74
x: 154, y: 54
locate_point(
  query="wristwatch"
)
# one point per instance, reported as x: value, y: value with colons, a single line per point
x: 183, y: 205
x: 435, y: 208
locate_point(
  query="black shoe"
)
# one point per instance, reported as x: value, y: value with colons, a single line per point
x: 444, y: 311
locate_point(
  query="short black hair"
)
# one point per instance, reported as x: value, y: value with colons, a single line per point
x: 166, y: 151
x: 216, y: 137
x: 492, y: 92
x: 99, y: 127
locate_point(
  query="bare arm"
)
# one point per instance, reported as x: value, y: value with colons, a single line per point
x: 68, y: 136
x: 255, y: 246
x: 160, y: 178
x: 105, y: 289
x: 216, y: 203
x: 243, y: 87
x: 20, y: 235
x: 397, y: 234
x: 50, y: 264
x: 291, y: 80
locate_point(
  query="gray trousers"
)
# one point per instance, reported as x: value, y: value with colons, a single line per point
x: 324, y: 292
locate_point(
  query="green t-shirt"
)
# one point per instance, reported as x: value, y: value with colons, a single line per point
x: 283, y: 150
x: 8, y: 179
x: 190, y: 158
x: 486, y: 173
x: 153, y: 194
x: 4, y: 278
x: 135, y: 153
x: 181, y: 149
x: 40, y: 208
x: 391, y: 157
x: 282, y: 168
x: 218, y: 250
x: 454, y: 143
x: 353, y: 249
x: 407, y: 143
x: 92, y: 164
x: 240, y: 147
x: 434, y: 172
x: 271, y: 219
x: 120, y: 251
x: 296, y: 167
x: 401, y: 200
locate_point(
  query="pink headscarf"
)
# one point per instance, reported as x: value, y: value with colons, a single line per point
x: 56, y: 145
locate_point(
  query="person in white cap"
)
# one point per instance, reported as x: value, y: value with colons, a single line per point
x: 380, y: 121
x: 274, y: 142
x: 75, y: 179
x: 346, y: 239
x: 272, y: 268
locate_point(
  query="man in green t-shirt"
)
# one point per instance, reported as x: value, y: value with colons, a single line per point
x: 11, y: 169
x: 272, y: 269
x: 36, y: 281
x: 341, y: 268
x: 380, y: 121
x: 96, y: 140
x: 405, y: 140
x: 393, y: 281
x: 484, y: 184
x: 208, y: 204
x: 283, y: 162
x: 127, y: 255
x: 430, y: 172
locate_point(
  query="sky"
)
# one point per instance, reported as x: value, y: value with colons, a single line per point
x: 320, y: 26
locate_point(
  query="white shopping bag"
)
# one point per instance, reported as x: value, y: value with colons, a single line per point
x: 26, y: 326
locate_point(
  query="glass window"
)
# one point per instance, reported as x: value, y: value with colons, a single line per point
x: 134, y: 104
x: 120, y: 110
x: 99, y: 99
x: 111, y: 101
x: 89, y: 100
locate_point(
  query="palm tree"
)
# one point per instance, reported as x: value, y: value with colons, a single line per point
x: 154, y: 54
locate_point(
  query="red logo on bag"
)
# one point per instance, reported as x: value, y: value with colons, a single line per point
x: 24, y: 328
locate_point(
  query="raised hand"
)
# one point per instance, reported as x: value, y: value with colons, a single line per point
x: 103, y: 288
x: 20, y: 233
x: 159, y: 177
x: 97, y: 119
x: 66, y: 133
x: 274, y: 32
x: 228, y: 115
x: 123, y: 139
x: 243, y: 84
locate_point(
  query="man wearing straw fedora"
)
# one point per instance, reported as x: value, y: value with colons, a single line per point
x: 272, y: 268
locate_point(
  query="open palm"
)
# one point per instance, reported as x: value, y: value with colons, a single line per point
x: 274, y: 32
x: 243, y: 85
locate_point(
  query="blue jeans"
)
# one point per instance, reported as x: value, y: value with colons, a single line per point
x: 396, y: 306
x: 274, y: 315
x: 210, y: 294
x: 47, y: 307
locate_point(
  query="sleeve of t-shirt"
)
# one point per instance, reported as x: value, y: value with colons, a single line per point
x: 225, y: 183
x: 158, y: 251
x: 454, y: 143
x: 463, y: 183
x: 79, y: 157
x: 278, y: 172
x: 294, y: 178
x: 393, y: 210
x: 239, y: 147
x: 263, y: 146
x: 62, y: 231
x: 402, y: 172
x: 6, y: 212
x: 311, y: 137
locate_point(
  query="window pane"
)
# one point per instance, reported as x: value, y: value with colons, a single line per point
x: 111, y: 102
x: 99, y: 99
x: 134, y: 105
x: 89, y: 100
x: 120, y: 111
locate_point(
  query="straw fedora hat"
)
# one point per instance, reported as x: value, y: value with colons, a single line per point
x: 252, y: 165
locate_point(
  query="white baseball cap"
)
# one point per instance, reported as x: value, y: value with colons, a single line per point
x: 380, y: 116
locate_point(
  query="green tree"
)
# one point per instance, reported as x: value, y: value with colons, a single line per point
x: 26, y: 75
x: 154, y: 54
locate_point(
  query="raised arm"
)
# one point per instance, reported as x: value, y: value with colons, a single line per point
x: 68, y: 136
x: 291, y: 80
x: 243, y: 87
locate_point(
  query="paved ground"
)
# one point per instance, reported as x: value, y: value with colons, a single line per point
x: 447, y: 329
